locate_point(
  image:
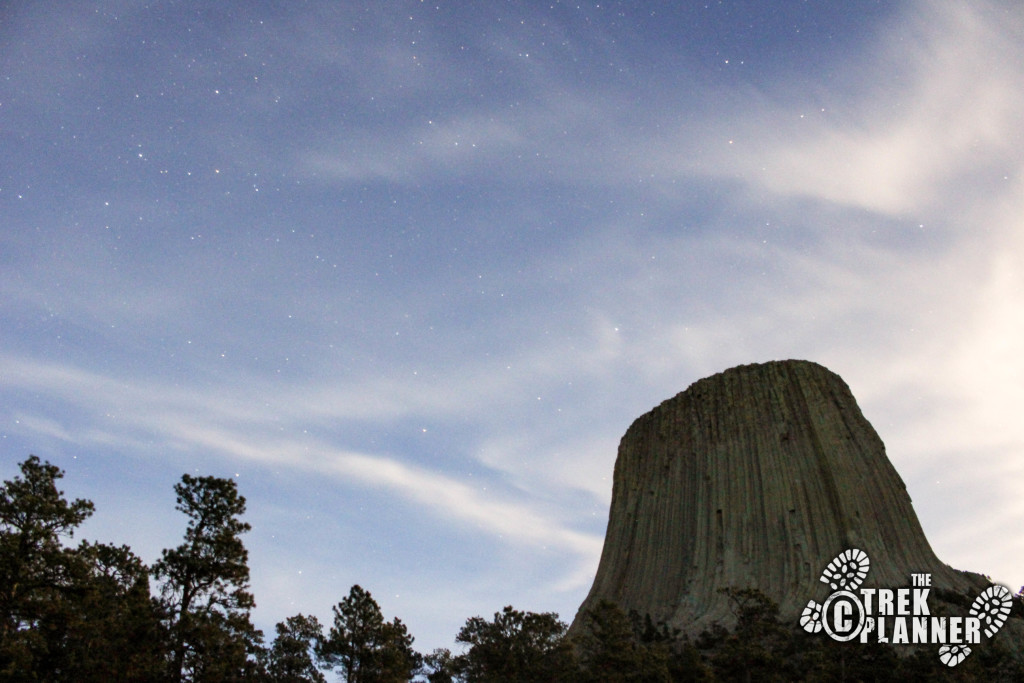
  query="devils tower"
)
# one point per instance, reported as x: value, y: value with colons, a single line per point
x: 756, y: 477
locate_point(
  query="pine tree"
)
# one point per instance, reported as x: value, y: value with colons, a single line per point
x: 515, y: 646
x: 110, y: 628
x: 291, y: 654
x: 36, y: 570
x: 205, y: 584
x: 615, y: 647
x: 366, y: 649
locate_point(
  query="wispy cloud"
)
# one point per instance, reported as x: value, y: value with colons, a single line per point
x: 221, y: 422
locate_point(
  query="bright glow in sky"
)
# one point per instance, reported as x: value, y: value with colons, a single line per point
x: 409, y: 270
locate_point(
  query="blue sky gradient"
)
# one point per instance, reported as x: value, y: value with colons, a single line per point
x: 409, y: 270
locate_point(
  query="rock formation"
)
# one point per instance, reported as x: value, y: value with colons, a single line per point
x: 756, y: 477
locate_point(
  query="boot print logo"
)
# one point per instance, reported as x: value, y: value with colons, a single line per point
x: 899, y: 616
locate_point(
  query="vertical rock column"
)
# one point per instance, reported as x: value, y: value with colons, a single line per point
x: 755, y: 477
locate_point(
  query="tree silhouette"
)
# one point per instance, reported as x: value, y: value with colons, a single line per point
x: 205, y: 584
x: 111, y: 630
x: 291, y: 654
x: 36, y: 570
x: 363, y: 647
x: 515, y: 646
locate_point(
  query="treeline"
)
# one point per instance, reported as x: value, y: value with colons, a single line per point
x: 96, y: 612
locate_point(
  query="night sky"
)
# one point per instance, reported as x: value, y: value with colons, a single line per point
x: 407, y: 271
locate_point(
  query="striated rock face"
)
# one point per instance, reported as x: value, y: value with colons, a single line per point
x: 756, y: 477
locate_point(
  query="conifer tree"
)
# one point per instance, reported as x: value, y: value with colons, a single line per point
x: 205, y: 585
x: 515, y: 646
x: 366, y: 649
x: 36, y: 569
x: 291, y: 654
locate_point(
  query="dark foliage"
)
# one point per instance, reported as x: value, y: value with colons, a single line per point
x: 81, y: 614
x: 86, y: 613
x: 364, y: 648
x: 204, y: 594
x: 514, y: 646
x: 291, y: 655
